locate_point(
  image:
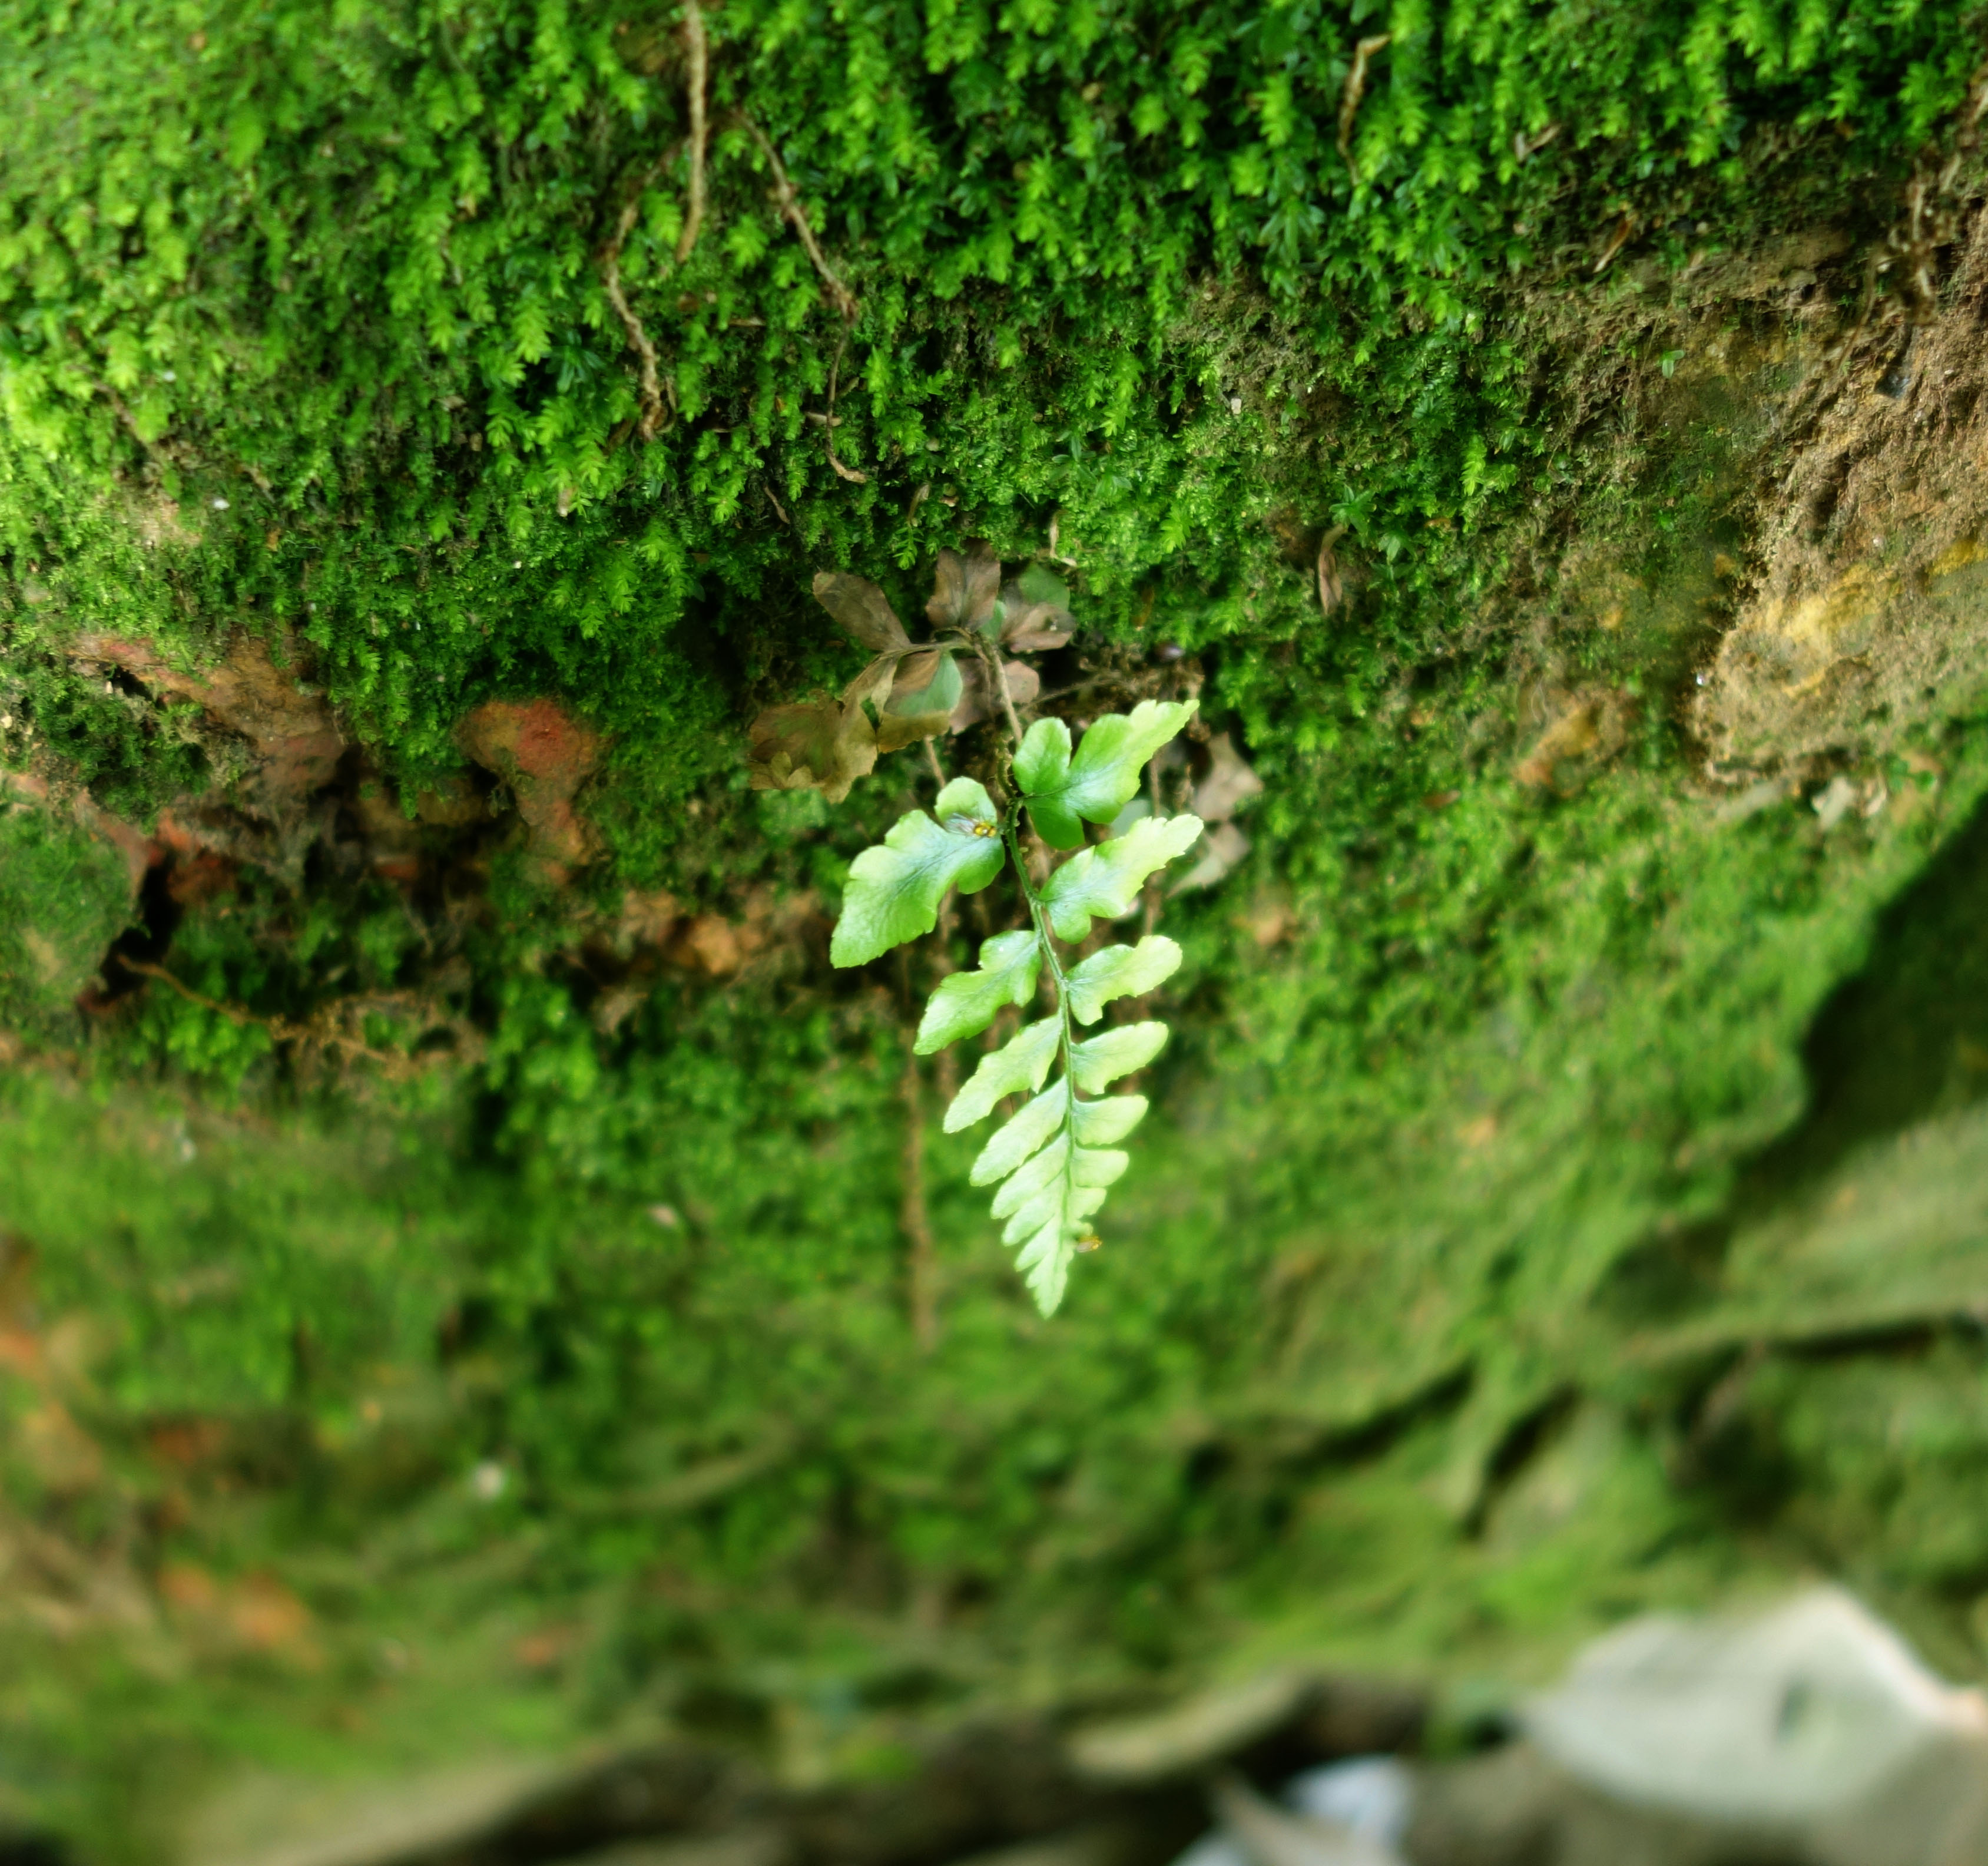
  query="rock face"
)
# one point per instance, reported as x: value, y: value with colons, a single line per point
x: 1871, y: 594
x: 546, y: 755
x: 293, y: 742
x: 1810, y: 1729
x: 534, y: 1283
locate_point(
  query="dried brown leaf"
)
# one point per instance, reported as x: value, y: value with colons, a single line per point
x: 822, y: 745
x: 925, y: 692
x: 1031, y: 626
x: 861, y: 611
x: 964, y: 589
x: 818, y: 745
x: 1023, y: 686
x: 1229, y: 782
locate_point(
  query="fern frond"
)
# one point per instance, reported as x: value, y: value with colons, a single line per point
x: 1052, y: 1162
x: 1105, y: 880
x: 1020, y: 1063
x: 895, y: 886
x: 1120, y: 971
x: 1104, y: 776
x: 967, y: 1002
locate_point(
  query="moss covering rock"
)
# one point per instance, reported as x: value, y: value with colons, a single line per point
x: 458, y: 1251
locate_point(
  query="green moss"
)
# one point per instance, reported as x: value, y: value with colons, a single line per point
x: 65, y: 895
x: 305, y: 327
x: 308, y: 325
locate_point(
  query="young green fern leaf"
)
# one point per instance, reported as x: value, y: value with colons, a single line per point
x: 1054, y: 1162
x: 894, y: 889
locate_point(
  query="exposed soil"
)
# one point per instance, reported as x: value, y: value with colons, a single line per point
x: 1868, y: 612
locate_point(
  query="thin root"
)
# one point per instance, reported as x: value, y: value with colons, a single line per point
x: 1356, y: 89
x: 693, y: 49
x: 923, y: 1266
x: 280, y: 1030
x: 1616, y: 240
x: 843, y: 299
x: 828, y: 426
x: 653, y: 413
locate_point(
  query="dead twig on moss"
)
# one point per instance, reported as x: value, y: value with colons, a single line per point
x: 1331, y: 588
x: 1616, y: 240
x: 1525, y: 147
x: 696, y: 53
x: 654, y: 413
x: 1354, y: 90
x: 828, y: 421
x: 316, y: 1034
x: 843, y: 299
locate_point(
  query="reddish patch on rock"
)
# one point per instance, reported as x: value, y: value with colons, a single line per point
x: 296, y: 741
x: 546, y: 755
x: 201, y: 879
x: 713, y: 945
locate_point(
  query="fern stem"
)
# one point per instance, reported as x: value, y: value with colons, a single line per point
x: 1046, y: 944
x: 1011, y: 821
x: 992, y: 672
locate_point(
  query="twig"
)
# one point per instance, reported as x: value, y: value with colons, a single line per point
x: 992, y: 672
x: 1076, y: 686
x: 828, y: 424
x: 702, y: 1484
x: 653, y: 411
x: 1525, y: 147
x: 1356, y: 89
x: 694, y: 47
x: 946, y: 1065
x: 1616, y: 240
x: 1331, y: 588
x: 790, y: 212
x: 280, y: 1029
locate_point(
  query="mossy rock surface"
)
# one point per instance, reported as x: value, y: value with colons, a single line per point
x: 456, y: 1293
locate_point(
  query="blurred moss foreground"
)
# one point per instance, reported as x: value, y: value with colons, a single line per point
x: 465, y: 1285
